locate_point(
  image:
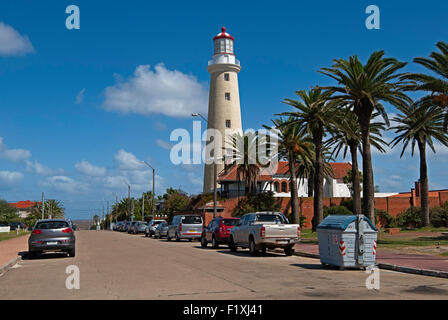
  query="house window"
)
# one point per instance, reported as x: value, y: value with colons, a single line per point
x: 276, y: 186
x: 284, y: 187
x: 228, y: 124
x: 226, y: 77
x: 227, y: 96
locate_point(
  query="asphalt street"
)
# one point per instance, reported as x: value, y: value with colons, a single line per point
x: 115, y: 265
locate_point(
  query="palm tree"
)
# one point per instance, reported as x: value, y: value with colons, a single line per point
x: 421, y: 124
x: 297, y: 148
x: 347, y: 137
x: 244, y: 149
x: 436, y: 86
x: 314, y: 117
x: 362, y: 87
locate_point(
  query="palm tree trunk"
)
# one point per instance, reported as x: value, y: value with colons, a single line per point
x: 318, y: 180
x: 310, y: 185
x: 424, y: 188
x: 367, y: 170
x: 294, y: 191
x: 356, y: 181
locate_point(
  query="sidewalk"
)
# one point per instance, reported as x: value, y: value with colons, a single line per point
x: 10, y: 249
x: 388, y: 259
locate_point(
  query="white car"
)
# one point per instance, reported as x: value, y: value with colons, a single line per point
x: 151, y: 228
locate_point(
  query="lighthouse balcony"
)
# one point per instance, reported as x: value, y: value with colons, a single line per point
x: 223, y: 59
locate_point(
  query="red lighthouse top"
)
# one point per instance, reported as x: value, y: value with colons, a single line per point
x: 223, y: 34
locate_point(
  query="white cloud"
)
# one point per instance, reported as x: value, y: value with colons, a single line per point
x: 15, y: 155
x: 88, y: 169
x: 168, y: 92
x: 12, y: 43
x: 65, y: 184
x: 128, y: 161
x: 9, y: 179
x: 40, y: 169
x: 163, y: 144
x: 80, y: 97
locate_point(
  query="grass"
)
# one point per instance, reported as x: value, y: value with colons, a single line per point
x: 12, y: 234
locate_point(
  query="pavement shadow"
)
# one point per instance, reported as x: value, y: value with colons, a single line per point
x: 43, y: 256
x: 245, y: 253
x: 312, y: 266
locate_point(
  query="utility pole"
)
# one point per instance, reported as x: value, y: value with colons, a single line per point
x: 143, y: 206
x: 132, y: 212
x: 153, y: 188
x: 116, y: 202
x: 43, y: 206
x: 129, y: 200
x: 108, y: 212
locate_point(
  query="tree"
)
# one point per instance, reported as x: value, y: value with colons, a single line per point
x: 297, y: 148
x: 264, y: 201
x: 362, y: 88
x: 420, y: 124
x: 7, y: 213
x: 314, y: 116
x: 350, y: 182
x: 347, y: 136
x: 435, y: 86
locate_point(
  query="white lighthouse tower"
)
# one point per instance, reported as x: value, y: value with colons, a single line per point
x: 224, y: 112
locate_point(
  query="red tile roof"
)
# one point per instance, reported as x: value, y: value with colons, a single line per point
x: 339, y: 169
x: 24, y: 204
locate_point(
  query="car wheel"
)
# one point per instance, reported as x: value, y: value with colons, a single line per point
x: 215, y: 244
x: 177, y: 237
x: 263, y: 250
x: 168, y: 238
x: 289, y: 251
x: 72, y: 253
x: 252, y: 249
x: 190, y: 240
x: 204, y: 242
x: 146, y: 235
x: 232, y: 245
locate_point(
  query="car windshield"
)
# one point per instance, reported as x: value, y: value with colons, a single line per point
x: 230, y: 222
x: 276, y: 218
x: 192, y: 220
x: 51, y: 225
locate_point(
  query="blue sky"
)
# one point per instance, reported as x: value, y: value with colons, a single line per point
x: 64, y: 127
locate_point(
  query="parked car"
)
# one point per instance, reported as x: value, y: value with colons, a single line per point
x: 149, y: 232
x: 264, y: 230
x: 161, y: 230
x: 185, y: 227
x: 52, y: 235
x: 126, y: 225
x: 140, y: 227
x: 15, y: 225
x: 218, y: 231
x: 116, y: 225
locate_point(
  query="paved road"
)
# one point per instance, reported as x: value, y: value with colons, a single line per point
x: 120, y: 266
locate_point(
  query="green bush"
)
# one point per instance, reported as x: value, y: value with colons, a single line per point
x: 411, y: 218
x: 439, y: 216
x: 259, y: 202
x: 336, y: 210
x: 385, y: 218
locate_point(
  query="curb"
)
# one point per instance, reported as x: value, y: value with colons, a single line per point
x: 386, y: 266
x: 4, y: 268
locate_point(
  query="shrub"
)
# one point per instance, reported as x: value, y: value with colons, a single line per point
x: 439, y: 216
x: 336, y: 210
x: 258, y: 202
x: 386, y: 220
x: 411, y: 218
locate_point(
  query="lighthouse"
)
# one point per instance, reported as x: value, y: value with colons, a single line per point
x: 224, y: 112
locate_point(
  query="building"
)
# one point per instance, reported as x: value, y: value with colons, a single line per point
x: 24, y: 207
x: 224, y: 112
x: 279, y: 182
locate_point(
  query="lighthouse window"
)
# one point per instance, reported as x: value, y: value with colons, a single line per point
x: 228, y: 123
x: 226, y: 77
x: 227, y: 96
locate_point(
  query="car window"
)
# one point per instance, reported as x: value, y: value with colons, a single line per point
x: 229, y: 222
x: 276, y: 218
x: 51, y: 225
x: 192, y: 220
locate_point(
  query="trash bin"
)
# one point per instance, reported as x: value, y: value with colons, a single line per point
x: 347, y: 241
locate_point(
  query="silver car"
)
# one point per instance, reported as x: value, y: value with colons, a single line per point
x: 185, y: 227
x: 52, y: 235
x: 161, y: 230
x: 151, y: 228
x: 140, y: 227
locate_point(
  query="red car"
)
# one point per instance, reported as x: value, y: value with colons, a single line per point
x: 218, y: 231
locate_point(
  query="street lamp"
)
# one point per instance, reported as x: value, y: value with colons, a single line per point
x: 153, y: 187
x: 215, y: 168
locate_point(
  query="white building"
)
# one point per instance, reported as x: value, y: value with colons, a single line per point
x: 279, y: 182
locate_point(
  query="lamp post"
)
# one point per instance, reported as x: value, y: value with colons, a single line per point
x: 153, y: 187
x: 215, y: 168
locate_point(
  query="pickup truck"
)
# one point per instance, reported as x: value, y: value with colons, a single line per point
x: 264, y: 230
